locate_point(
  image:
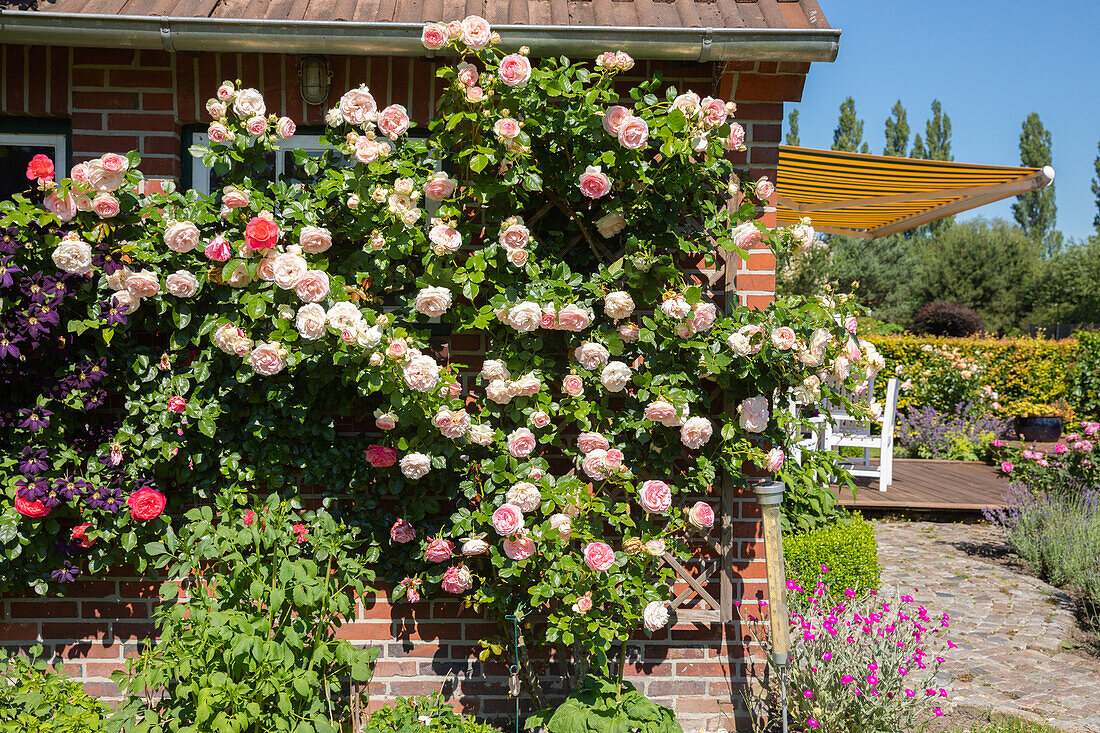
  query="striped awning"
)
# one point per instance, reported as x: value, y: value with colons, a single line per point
x: 871, y: 196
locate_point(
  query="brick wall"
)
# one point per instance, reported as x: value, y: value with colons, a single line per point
x: 119, y: 100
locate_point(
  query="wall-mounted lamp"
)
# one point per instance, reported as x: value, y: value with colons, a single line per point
x: 314, y: 79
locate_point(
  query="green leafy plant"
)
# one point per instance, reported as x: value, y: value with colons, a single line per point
x: 253, y: 647
x: 605, y: 706
x: 847, y: 548
x: 38, y: 698
x: 423, y: 714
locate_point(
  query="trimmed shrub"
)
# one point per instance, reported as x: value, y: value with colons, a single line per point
x: 1084, y: 387
x: 946, y: 319
x: 847, y: 548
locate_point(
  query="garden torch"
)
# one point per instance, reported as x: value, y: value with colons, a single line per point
x: 769, y: 495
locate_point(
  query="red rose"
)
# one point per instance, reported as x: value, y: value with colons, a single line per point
x: 146, y: 503
x: 80, y: 534
x: 177, y: 404
x: 41, y: 168
x: 33, y: 509
x: 261, y: 233
x: 380, y: 456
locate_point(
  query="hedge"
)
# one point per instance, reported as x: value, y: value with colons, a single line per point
x: 847, y: 548
x: 1020, y: 370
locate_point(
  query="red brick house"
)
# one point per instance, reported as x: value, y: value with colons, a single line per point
x: 79, y: 78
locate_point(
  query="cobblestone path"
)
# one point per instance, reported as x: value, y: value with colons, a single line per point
x: 1010, y: 627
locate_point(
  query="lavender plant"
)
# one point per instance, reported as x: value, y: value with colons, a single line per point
x: 858, y: 663
x: 966, y: 433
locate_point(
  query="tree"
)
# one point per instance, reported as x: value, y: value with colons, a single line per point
x: 1096, y: 189
x: 918, y: 148
x: 1035, y: 211
x: 849, y: 129
x: 792, y: 128
x: 897, y: 132
x: 990, y: 266
x: 937, y: 135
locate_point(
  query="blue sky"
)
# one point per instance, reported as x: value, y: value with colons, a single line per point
x: 990, y: 62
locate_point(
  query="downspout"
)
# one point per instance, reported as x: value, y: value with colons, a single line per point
x: 403, y: 39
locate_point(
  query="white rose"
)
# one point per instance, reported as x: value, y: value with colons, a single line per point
x: 421, y: 373
x: 494, y: 369
x: 433, y: 301
x: 591, y: 355
x: 655, y: 615
x: 368, y: 336
x: 73, y: 256
x: 310, y: 321
x: 618, y: 305
x: 415, y: 465
x: 525, y: 316
x: 182, y: 284
x: 344, y: 316
x: 249, y: 103
x: 500, y: 391
x: 615, y: 376
x: 127, y: 300
x: 288, y: 270
x: 525, y: 495
x: 754, y: 414
x: 144, y: 284
x: 676, y: 307
x: 563, y: 523
x: 611, y: 224
x: 481, y: 434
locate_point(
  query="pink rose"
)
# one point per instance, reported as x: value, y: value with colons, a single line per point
x: 285, y: 128
x: 393, y: 121
x: 439, y: 187
x: 446, y: 238
x: 695, y: 432
x: 439, y: 550
x: 764, y: 188
x: 583, y: 604
x: 457, y: 580
x: 614, y: 117
x: 655, y: 496
x: 660, y: 411
x: 594, y: 183
x: 702, y: 316
x: 573, y: 318
x: 260, y: 233
x: 40, y: 168
x: 313, y: 287
x: 540, y: 419
x: 267, y: 359
x: 514, y: 70
x: 181, y: 236
x: 599, y: 556
x: 367, y: 150
x: 783, y: 338
x: 736, y: 138
x: 144, y: 284
x: 519, y: 548
x: 358, y: 105
x: 380, y: 456
x: 386, y: 421
x: 714, y: 112
x: 433, y: 37
x: 314, y: 240
x: 402, y: 532
x: 218, y: 249
x: 506, y: 128
x: 114, y: 163
x: 63, y: 209
x: 701, y: 515
x: 514, y: 236
x: 588, y: 442
x: 256, y: 125
x: 562, y: 524
x: 754, y: 414
x: 573, y: 385
x: 594, y: 464
x: 475, y: 94
x: 629, y: 332
x: 521, y: 443
x: 467, y: 74
x: 182, y: 284
x: 421, y: 373
x: 177, y: 404
x: 105, y: 205
x: 217, y: 132
x: 852, y: 324
x: 633, y: 133
x: 476, y: 32
x: 235, y: 198
x: 507, y: 520
x: 747, y: 236
x: 775, y: 459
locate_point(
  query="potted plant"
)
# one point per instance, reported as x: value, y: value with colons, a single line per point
x: 1041, y: 422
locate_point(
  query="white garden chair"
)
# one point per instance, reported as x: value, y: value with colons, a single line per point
x: 843, y: 430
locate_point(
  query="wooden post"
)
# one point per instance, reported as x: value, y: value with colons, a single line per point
x: 769, y: 494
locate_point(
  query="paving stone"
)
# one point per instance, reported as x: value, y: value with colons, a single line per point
x: 1009, y: 626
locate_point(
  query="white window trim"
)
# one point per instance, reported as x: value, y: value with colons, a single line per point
x: 200, y: 174
x: 42, y: 140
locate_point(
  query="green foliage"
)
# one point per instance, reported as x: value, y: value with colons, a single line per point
x: 38, y: 698
x: 1068, y: 287
x: 847, y: 548
x: 1035, y: 211
x: 1096, y: 190
x: 1084, y: 389
x: 848, y: 135
x: 254, y: 644
x: 792, y: 128
x: 937, y: 136
x: 897, y: 132
x: 987, y: 266
x: 1006, y: 724
x: 423, y: 714
x: 604, y: 706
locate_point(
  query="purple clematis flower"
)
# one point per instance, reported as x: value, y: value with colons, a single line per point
x: 35, y: 418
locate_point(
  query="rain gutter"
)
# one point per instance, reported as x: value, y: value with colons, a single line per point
x: 403, y: 39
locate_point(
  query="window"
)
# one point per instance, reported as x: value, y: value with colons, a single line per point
x: 279, y: 164
x: 17, y: 149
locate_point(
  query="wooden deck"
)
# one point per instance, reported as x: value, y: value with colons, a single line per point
x: 930, y: 486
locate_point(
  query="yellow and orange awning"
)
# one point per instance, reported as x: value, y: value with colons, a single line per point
x: 870, y: 196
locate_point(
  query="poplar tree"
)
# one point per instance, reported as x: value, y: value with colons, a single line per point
x: 849, y: 129
x: 792, y: 128
x: 897, y: 132
x: 1035, y: 211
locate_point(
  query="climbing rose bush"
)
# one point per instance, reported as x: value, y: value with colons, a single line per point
x: 297, y: 336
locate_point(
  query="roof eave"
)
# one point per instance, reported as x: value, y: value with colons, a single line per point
x: 403, y: 39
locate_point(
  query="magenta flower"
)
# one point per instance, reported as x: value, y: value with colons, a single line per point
x: 808, y: 693
x: 813, y: 723
x: 938, y: 712
x: 847, y: 679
